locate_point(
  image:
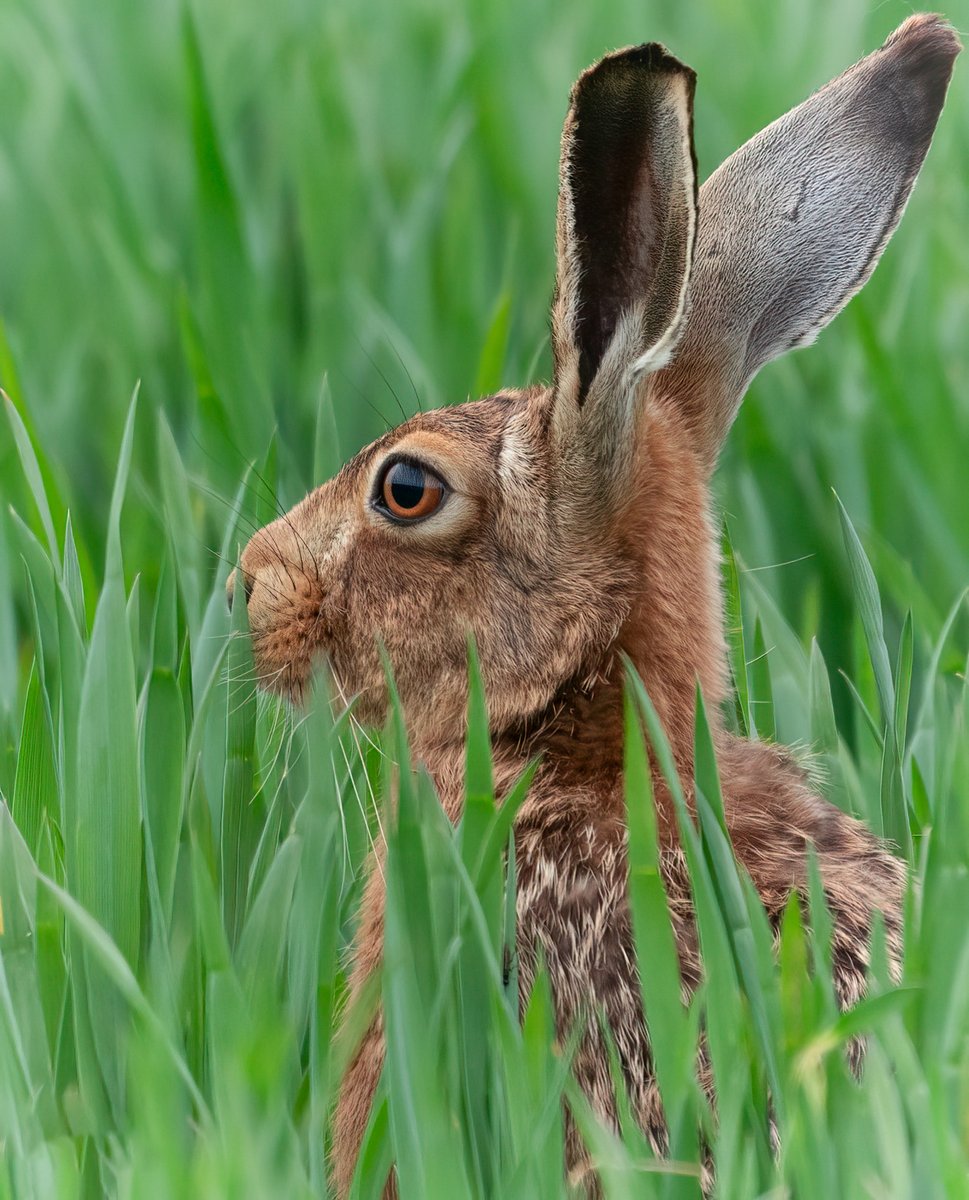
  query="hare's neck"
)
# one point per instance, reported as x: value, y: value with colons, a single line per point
x: 674, y: 632
x: 673, y: 636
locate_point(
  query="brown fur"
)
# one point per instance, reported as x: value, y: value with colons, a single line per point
x: 576, y: 533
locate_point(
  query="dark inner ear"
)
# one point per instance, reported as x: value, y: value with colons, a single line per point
x: 619, y: 184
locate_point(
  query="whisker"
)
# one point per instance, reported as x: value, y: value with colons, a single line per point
x: 302, y: 542
x: 771, y: 566
x: 283, y: 515
x: 369, y: 403
x: 410, y: 378
x: 235, y: 565
x: 270, y: 493
x: 241, y: 517
x: 373, y: 362
x: 360, y: 804
x: 372, y: 796
x: 269, y: 489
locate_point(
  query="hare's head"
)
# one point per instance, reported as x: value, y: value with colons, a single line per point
x: 562, y: 523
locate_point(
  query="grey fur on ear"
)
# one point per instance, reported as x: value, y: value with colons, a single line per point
x: 626, y: 222
x: 792, y: 224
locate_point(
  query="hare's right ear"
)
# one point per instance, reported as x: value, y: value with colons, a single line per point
x: 793, y: 223
x: 626, y: 221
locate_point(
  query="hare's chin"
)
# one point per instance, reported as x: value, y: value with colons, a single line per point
x: 282, y: 667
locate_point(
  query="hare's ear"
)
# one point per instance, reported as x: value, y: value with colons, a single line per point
x: 626, y: 220
x: 793, y: 223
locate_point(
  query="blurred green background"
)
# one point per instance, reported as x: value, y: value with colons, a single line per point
x: 231, y: 204
x: 291, y: 222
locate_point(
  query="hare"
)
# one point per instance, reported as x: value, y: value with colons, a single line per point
x: 567, y: 527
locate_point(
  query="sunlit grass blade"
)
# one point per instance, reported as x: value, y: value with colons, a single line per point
x: 535, y: 1072
x: 241, y: 809
x: 114, y: 965
x: 734, y: 623
x: 743, y: 914
x: 105, y: 811
x: 494, y: 349
x: 725, y: 1014
x: 35, y: 480
x: 21, y: 1008
x: 181, y: 527
x: 35, y: 789
x: 870, y: 610
x: 72, y: 580
x: 326, y: 444
x: 486, y: 900
x: 671, y: 1034
x: 761, y: 688
x: 162, y: 761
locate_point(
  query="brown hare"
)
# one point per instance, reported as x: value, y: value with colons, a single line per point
x: 567, y: 527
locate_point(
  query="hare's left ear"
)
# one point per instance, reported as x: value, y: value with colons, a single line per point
x: 793, y: 223
x: 626, y: 223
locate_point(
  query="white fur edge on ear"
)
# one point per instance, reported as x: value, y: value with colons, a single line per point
x: 661, y: 353
x: 566, y: 301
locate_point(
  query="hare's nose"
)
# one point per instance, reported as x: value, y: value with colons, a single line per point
x: 247, y: 583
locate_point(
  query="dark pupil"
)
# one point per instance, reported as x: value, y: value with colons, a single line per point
x: 407, y: 485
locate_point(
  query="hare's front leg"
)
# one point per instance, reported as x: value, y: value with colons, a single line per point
x: 573, y: 919
x: 359, y: 1086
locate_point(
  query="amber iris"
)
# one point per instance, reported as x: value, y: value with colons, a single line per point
x: 410, y: 491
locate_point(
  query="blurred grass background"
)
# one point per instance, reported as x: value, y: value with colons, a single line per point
x: 289, y: 223
x: 226, y: 206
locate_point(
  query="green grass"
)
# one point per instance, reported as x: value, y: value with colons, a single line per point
x: 287, y: 223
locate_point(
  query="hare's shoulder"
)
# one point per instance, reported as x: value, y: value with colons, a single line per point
x: 775, y: 815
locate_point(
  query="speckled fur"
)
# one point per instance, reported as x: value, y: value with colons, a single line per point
x: 577, y: 533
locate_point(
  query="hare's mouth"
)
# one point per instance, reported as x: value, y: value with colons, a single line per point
x: 287, y: 680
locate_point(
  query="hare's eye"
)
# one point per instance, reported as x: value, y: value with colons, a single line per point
x: 409, y: 491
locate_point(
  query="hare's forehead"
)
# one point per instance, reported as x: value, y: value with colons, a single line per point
x: 464, y: 442
x: 470, y: 431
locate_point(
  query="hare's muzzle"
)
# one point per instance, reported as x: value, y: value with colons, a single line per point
x: 284, y: 596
